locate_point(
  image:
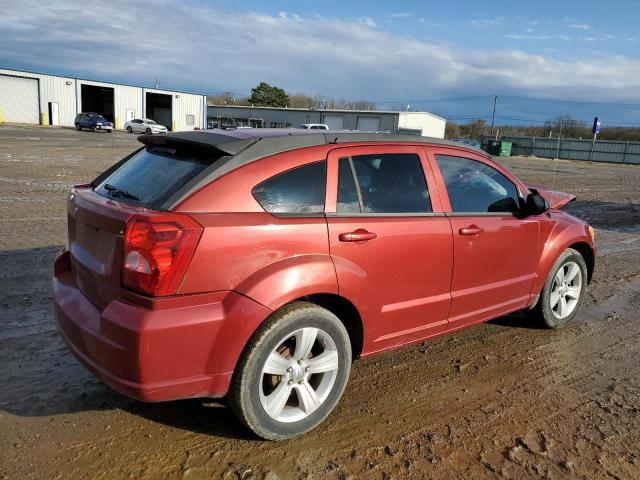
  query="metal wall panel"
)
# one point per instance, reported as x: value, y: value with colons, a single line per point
x: 429, y: 125
x: 183, y: 104
x: 18, y: 99
x: 66, y: 92
x: 573, y: 149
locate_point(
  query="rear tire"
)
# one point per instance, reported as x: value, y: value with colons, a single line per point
x: 78, y: 127
x: 292, y: 373
x: 563, y: 291
x: 148, y: 131
x: 129, y: 129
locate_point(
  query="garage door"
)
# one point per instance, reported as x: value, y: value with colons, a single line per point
x: 334, y: 122
x: 369, y: 124
x: 19, y: 99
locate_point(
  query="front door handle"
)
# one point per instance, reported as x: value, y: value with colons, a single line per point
x: 471, y: 230
x: 359, y: 235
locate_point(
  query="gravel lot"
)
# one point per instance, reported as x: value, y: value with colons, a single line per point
x: 499, y: 400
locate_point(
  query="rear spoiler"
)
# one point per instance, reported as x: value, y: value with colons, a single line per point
x: 223, y: 143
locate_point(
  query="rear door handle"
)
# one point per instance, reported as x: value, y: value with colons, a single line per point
x: 359, y: 235
x: 471, y: 230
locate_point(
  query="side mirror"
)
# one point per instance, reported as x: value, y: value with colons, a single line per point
x: 536, y: 204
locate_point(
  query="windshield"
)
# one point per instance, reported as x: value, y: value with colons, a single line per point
x: 150, y: 122
x: 99, y: 118
x: 151, y: 176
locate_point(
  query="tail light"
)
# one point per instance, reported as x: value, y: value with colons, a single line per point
x: 157, y: 252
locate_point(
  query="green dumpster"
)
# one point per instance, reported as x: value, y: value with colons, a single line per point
x: 505, y: 148
x: 493, y: 147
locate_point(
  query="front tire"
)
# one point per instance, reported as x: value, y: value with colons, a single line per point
x: 129, y: 129
x: 293, y: 372
x: 563, y: 291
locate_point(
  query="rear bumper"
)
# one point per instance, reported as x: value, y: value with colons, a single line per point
x: 173, y: 348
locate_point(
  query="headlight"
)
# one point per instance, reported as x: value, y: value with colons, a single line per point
x: 592, y: 232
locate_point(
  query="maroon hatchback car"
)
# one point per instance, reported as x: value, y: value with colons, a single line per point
x: 256, y: 264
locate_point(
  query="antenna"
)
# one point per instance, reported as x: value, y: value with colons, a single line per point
x: 555, y: 166
x: 493, y: 116
x: 156, y: 84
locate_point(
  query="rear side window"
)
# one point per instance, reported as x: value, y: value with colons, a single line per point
x: 474, y: 187
x: 386, y: 183
x: 151, y: 176
x: 297, y: 191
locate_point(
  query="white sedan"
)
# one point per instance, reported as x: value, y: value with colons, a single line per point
x: 147, y: 126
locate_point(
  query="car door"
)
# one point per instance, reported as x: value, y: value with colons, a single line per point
x: 496, y: 250
x: 390, y: 242
x: 138, y: 126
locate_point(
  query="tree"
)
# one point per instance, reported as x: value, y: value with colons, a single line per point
x: 300, y: 100
x: 571, y: 128
x: 227, y: 98
x: 474, y: 129
x: 264, y: 95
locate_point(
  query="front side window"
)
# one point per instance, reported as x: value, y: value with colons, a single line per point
x: 297, y: 191
x: 386, y: 183
x: 475, y: 187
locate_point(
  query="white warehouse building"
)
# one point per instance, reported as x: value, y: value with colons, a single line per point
x: 416, y: 123
x: 37, y: 98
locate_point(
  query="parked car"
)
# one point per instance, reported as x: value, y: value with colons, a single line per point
x: 92, y: 121
x: 314, y: 126
x: 255, y: 265
x: 467, y: 141
x: 148, y: 126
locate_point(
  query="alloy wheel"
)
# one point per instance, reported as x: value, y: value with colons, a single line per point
x: 298, y: 375
x: 565, y: 290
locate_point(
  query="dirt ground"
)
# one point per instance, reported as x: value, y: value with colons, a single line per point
x: 500, y: 400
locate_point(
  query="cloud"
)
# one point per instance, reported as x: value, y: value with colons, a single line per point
x: 368, y: 21
x: 402, y: 15
x: 213, y: 49
x: 431, y: 23
x: 487, y: 22
x: 516, y: 36
x: 580, y: 26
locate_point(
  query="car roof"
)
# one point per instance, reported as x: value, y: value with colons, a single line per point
x: 267, y: 141
x: 240, y: 147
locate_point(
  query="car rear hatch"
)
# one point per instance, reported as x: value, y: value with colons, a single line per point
x: 96, y: 236
x: 145, y: 183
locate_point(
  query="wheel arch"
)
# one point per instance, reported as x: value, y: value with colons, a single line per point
x: 589, y: 256
x: 555, y: 245
x: 346, y: 312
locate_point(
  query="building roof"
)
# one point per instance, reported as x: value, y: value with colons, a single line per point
x: 240, y: 147
x: 119, y: 84
x: 326, y: 110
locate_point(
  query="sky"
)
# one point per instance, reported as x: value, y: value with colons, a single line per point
x: 448, y: 57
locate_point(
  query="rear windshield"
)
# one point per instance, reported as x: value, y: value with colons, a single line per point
x: 151, y: 176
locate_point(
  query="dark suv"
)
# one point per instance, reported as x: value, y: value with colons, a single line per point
x: 92, y: 121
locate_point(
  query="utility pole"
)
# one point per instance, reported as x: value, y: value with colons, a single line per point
x: 493, y: 117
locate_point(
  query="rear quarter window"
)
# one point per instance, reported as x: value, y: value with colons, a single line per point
x: 298, y: 191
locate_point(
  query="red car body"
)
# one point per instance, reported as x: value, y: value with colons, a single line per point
x: 422, y: 275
